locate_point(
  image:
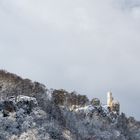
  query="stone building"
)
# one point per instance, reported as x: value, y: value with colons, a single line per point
x: 113, y: 104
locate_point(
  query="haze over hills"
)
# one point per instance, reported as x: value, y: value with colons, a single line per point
x: 30, y: 111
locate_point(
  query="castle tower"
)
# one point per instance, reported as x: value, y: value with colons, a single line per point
x: 109, y: 99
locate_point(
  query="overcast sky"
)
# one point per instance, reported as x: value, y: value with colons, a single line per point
x: 90, y: 46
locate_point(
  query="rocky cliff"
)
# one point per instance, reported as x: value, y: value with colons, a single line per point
x: 30, y: 111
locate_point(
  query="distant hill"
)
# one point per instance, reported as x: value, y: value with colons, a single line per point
x: 30, y: 111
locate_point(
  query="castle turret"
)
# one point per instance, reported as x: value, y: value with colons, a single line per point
x: 109, y: 99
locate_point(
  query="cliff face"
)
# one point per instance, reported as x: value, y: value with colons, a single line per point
x: 29, y: 111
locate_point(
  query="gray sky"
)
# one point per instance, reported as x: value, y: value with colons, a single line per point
x: 91, y: 46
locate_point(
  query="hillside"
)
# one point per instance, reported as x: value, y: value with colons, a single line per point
x: 30, y: 111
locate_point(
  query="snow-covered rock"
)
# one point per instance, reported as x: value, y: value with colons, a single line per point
x: 22, y: 98
x: 105, y: 108
x: 86, y: 109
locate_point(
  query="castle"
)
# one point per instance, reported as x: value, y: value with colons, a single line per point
x: 112, y: 104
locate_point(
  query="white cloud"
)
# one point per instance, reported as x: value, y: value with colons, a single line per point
x: 88, y: 46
